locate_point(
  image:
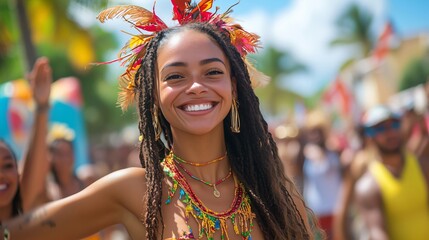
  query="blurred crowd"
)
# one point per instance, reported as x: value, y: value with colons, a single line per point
x: 369, y: 181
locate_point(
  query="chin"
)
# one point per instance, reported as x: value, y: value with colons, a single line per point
x: 203, y: 129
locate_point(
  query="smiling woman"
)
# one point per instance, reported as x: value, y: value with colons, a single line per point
x: 195, y: 87
x: 10, y: 198
x: 211, y: 168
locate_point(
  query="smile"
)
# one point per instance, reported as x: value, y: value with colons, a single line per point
x: 3, y: 187
x: 198, y: 107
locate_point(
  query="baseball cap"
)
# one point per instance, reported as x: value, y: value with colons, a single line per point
x: 378, y: 114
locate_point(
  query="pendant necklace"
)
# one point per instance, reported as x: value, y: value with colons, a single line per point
x: 216, y: 192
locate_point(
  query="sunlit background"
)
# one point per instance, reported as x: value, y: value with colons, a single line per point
x: 342, y: 55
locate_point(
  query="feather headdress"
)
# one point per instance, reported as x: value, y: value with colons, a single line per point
x: 184, y: 11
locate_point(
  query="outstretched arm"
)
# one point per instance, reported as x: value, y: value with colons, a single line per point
x: 116, y: 198
x: 36, y: 164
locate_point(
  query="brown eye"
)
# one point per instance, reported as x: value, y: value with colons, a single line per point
x: 173, y: 77
x: 214, y: 72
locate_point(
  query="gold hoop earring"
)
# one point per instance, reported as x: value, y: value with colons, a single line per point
x: 156, y: 123
x: 235, y: 118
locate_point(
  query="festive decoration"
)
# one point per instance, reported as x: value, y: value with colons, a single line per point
x: 60, y: 131
x: 184, y: 12
x: 240, y: 213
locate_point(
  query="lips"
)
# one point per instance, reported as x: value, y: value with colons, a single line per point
x: 198, y: 107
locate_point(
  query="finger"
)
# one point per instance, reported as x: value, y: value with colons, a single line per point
x: 43, y: 70
x: 36, y: 69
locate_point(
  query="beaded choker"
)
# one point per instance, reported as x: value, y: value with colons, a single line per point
x: 216, y: 192
x: 239, y: 214
x: 198, y: 164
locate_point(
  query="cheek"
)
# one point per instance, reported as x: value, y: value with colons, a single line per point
x: 13, y: 175
x: 167, y: 96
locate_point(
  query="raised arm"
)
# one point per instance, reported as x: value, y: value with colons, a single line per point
x: 369, y: 203
x: 352, y: 174
x: 36, y: 164
x: 116, y: 198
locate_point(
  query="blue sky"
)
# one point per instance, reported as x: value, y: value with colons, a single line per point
x: 305, y: 28
x: 409, y: 16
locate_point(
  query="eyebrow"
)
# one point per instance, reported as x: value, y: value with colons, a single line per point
x: 202, y: 62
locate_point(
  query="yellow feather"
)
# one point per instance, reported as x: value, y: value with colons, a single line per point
x: 257, y: 78
x: 135, y: 14
x: 126, y: 95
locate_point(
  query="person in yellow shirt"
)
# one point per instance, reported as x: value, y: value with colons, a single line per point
x: 392, y: 195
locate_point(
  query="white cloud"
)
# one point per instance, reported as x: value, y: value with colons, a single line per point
x: 305, y: 28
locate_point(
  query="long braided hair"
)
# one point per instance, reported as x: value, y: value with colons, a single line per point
x: 252, y: 152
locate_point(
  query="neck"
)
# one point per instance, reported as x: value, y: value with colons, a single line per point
x: 6, y: 212
x: 393, y: 160
x: 202, y: 149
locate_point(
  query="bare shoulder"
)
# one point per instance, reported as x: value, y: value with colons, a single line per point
x: 367, y: 190
x: 360, y: 164
x: 126, y: 187
x: 129, y: 177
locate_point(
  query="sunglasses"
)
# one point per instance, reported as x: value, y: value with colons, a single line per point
x: 377, y: 129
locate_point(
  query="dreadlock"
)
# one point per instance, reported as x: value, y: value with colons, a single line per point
x: 252, y: 153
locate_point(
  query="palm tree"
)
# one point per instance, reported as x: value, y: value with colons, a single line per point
x: 355, y: 29
x: 277, y: 64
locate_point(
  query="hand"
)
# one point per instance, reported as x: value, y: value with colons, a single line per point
x: 40, y: 81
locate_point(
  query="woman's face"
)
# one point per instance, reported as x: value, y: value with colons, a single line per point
x: 8, y: 176
x: 194, y: 83
x: 62, y: 156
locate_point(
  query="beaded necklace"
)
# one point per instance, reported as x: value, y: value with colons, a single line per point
x: 216, y: 192
x: 198, y: 164
x: 240, y: 212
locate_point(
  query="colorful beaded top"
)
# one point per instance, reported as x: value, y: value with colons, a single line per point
x: 239, y: 214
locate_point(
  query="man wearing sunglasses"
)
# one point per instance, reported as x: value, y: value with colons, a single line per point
x: 392, y: 195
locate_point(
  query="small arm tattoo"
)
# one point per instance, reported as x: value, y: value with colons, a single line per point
x: 38, y: 215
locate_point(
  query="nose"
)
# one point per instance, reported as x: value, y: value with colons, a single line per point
x: 196, y: 87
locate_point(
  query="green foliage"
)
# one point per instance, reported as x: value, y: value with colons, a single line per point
x: 99, y: 93
x: 275, y: 98
x: 354, y: 27
x: 415, y: 73
x: 11, y: 67
x: 100, y: 110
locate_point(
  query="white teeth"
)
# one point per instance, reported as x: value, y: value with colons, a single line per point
x: 3, y: 187
x: 198, y: 107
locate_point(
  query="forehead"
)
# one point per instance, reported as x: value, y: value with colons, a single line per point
x: 187, y: 46
x: 5, y: 151
x: 61, y: 143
